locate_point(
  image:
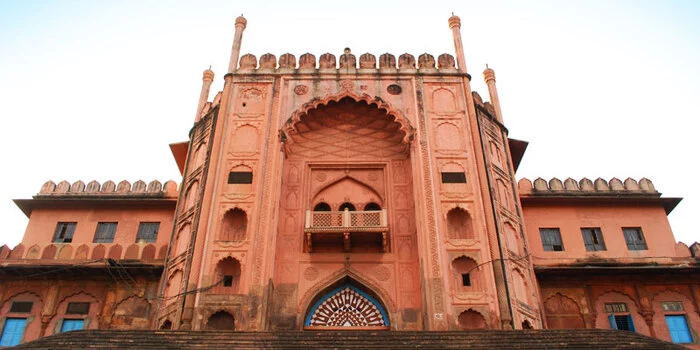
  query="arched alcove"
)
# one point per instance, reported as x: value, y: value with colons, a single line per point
x: 371, y: 206
x: 228, y: 276
x: 323, y: 206
x: 234, y: 226
x: 466, y: 274
x: 221, y: 321
x: 347, y: 205
x: 471, y: 319
x: 349, y: 305
x: 459, y: 224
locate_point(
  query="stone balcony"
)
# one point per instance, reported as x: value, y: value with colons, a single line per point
x: 351, y: 230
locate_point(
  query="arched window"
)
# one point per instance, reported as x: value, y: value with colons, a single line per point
x: 371, y: 206
x: 323, y: 206
x: 234, y: 226
x: 348, y: 206
x: 228, y: 274
x: 466, y: 273
x: 471, y: 319
x: 459, y: 224
x: 220, y: 321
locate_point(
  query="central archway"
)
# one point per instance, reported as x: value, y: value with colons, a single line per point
x: 347, y: 307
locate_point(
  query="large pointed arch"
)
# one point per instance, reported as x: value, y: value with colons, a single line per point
x: 289, y: 127
x: 346, y: 304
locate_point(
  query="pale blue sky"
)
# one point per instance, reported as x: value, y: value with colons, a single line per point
x: 97, y: 89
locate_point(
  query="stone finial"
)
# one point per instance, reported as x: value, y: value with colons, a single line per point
x: 154, y: 186
x: 454, y: 21
x: 646, y: 185
x: 586, y: 185
x: 62, y: 187
x: 48, y: 187
x: 426, y: 61
x: 556, y: 185
x: 92, y: 187
x: 307, y: 61
x: 248, y: 61
x: 268, y: 61
x: 446, y: 61
x: 77, y: 187
x: 124, y: 187
x: 601, y: 185
x: 616, y: 184
x: 407, y: 61
x: 368, y: 61
x: 326, y: 61
x: 138, y: 186
x: 170, y: 188
x: 571, y: 185
x: 288, y: 61
x: 108, y: 187
x: 540, y: 184
x: 694, y: 249
x: 631, y: 184
x: 208, y: 75
x: 489, y: 74
x: 347, y: 59
x: 387, y: 60
x: 524, y: 186
x: 241, y: 22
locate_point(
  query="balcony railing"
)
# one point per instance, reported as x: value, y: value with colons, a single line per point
x: 360, y: 223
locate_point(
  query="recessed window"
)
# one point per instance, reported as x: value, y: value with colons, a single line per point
x: 148, y: 232
x: 551, y: 240
x: 13, y: 331
x: 105, y: 232
x: 593, y: 239
x: 678, y: 328
x: 240, y: 177
x: 228, y: 281
x: 21, y: 307
x: 619, y: 316
x: 64, y: 232
x: 634, y: 238
x: 466, y: 280
x: 72, y: 325
x: 78, y: 308
x: 454, y: 177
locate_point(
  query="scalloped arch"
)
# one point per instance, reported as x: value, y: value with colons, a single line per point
x: 289, y: 126
x: 341, y: 178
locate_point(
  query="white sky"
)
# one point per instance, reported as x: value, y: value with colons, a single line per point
x: 98, y: 89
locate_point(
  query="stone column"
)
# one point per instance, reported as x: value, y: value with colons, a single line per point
x: 207, y: 79
x: 490, y: 79
x: 455, y: 24
x: 236, y: 49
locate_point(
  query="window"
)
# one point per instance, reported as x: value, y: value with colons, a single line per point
x: 551, y: 239
x: 466, y: 280
x: 240, y: 177
x: 105, y: 232
x: 78, y: 308
x: 13, y: 331
x: 619, y: 317
x: 634, y: 238
x: 228, y: 281
x: 72, y: 325
x: 593, y: 239
x: 64, y: 232
x: 148, y: 232
x: 678, y: 327
x: 453, y: 177
x: 21, y: 307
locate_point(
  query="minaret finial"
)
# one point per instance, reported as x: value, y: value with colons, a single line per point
x: 241, y: 23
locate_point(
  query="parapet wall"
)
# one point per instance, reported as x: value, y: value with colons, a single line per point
x: 587, y: 187
x: 109, y: 188
x: 347, y: 63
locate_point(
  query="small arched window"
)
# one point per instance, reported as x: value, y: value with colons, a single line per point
x: 348, y: 206
x: 228, y: 274
x: 371, y: 206
x: 323, y: 206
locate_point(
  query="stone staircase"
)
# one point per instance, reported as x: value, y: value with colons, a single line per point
x: 483, y: 339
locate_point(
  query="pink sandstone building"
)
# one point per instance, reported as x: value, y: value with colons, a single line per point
x: 349, y: 193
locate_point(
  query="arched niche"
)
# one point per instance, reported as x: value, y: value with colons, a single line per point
x: 220, y: 321
x: 346, y: 304
x: 322, y: 206
x: 172, y: 288
x: 513, y: 239
x: 563, y: 312
x: 371, y: 206
x: 471, y: 319
x: 234, y: 225
x: 347, y: 190
x: 227, y: 275
x: 240, y: 179
x: 191, y: 195
x: 466, y: 274
x: 459, y: 224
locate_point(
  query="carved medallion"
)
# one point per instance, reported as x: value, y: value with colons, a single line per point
x: 382, y: 273
x: 311, y: 273
x: 301, y: 89
x: 347, y: 85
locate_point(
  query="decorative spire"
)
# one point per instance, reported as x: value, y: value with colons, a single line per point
x: 455, y: 24
x: 241, y: 23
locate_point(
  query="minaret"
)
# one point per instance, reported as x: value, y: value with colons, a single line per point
x: 236, y: 49
x: 490, y: 79
x: 455, y: 24
x: 207, y: 78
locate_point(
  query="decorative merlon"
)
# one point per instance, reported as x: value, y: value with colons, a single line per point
x: 109, y: 188
x: 586, y: 186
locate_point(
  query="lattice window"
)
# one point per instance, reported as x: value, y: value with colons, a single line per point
x: 347, y: 306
